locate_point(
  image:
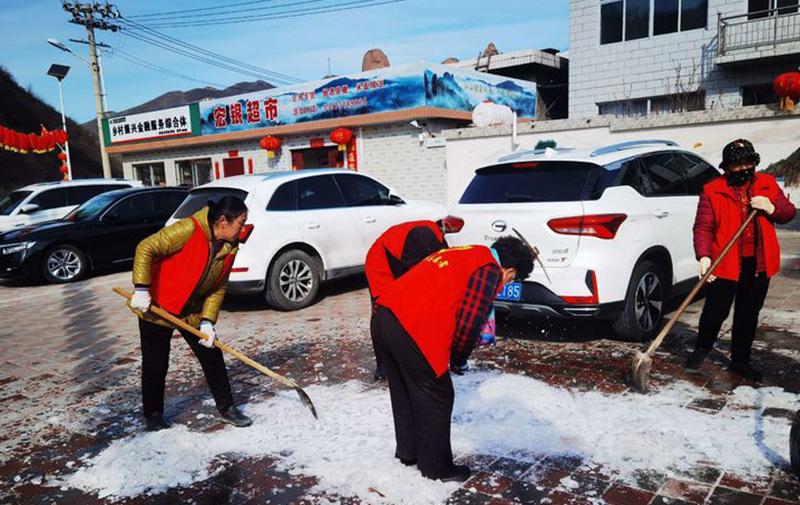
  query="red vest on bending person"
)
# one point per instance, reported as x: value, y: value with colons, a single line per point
x: 728, y: 217
x: 380, y: 272
x: 426, y: 299
x: 176, y: 277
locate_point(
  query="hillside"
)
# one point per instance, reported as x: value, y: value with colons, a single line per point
x: 788, y: 168
x: 25, y: 112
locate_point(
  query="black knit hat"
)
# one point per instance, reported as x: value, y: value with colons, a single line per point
x: 738, y: 151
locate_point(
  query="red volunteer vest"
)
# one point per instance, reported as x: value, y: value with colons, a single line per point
x: 728, y: 218
x: 425, y: 300
x: 379, y: 273
x: 176, y: 277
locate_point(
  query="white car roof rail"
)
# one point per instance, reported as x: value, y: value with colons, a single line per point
x: 630, y: 145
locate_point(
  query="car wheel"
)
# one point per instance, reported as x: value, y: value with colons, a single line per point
x: 644, y: 304
x: 64, y: 263
x: 293, y: 281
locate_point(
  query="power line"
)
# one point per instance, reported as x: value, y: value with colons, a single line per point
x: 193, y: 13
x: 355, y: 4
x: 119, y: 53
x: 252, y: 2
x: 138, y: 28
x: 197, y: 57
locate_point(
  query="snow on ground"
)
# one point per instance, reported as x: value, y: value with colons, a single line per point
x: 350, y: 448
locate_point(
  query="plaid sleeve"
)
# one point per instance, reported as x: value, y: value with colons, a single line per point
x: 474, y: 309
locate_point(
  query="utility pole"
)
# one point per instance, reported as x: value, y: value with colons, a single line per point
x: 95, y: 15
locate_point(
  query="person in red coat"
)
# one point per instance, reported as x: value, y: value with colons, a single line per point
x: 394, y: 253
x: 427, y: 320
x: 744, y: 273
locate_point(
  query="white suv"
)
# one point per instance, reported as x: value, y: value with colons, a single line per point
x: 308, y: 226
x: 613, y: 227
x: 48, y: 201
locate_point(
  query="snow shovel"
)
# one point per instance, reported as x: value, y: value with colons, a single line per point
x: 163, y: 314
x: 643, y: 361
x: 794, y: 444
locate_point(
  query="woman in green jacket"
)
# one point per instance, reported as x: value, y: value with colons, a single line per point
x: 184, y: 269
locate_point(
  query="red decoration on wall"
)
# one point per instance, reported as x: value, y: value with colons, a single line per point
x: 787, y: 87
x: 270, y: 143
x: 341, y: 136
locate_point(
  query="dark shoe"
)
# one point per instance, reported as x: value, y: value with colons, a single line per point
x: 746, y: 370
x: 696, y: 358
x: 408, y: 462
x: 460, y: 473
x: 235, y: 417
x: 155, y: 422
x: 380, y: 373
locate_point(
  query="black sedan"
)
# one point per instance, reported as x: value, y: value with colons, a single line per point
x: 104, y: 231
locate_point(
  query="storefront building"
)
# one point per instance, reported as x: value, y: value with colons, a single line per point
x: 386, y: 123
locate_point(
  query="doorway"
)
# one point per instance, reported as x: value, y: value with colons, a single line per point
x: 232, y: 166
x: 317, y: 157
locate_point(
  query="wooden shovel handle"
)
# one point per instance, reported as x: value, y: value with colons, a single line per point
x: 224, y: 347
x: 690, y: 297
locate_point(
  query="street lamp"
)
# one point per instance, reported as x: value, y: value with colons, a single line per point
x: 94, y: 66
x: 59, y: 72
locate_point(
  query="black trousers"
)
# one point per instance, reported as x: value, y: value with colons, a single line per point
x: 422, y: 404
x: 749, y: 292
x: 155, y: 361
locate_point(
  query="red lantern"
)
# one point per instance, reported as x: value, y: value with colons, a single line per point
x: 271, y: 144
x: 24, y: 143
x: 62, y: 156
x: 60, y: 136
x: 787, y: 87
x: 63, y: 169
x: 342, y: 137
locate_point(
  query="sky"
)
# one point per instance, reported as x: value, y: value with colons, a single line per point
x: 407, y: 31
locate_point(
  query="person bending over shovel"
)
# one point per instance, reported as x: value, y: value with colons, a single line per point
x: 745, y: 272
x: 427, y: 319
x: 394, y: 253
x: 184, y: 269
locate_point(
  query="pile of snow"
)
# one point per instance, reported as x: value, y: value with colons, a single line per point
x: 350, y: 449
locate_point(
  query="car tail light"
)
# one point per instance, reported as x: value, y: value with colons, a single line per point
x: 452, y: 224
x: 245, y: 233
x: 591, y: 283
x: 603, y: 226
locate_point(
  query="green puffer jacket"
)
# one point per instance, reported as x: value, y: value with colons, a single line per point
x: 207, y: 297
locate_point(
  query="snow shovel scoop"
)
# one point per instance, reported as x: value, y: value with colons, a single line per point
x: 643, y: 361
x: 163, y: 314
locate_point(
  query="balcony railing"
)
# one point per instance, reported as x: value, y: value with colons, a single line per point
x: 759, y: 30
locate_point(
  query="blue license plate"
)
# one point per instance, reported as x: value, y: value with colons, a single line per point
x: 511, y: 292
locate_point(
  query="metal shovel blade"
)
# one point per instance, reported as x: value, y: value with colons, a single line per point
x: 306, y: 401
x: 640, y: 371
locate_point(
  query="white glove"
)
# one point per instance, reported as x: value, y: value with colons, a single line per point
x: 762, y: 203
x: 141, y: 299
x: 705, y: 264
x: 207, y: 327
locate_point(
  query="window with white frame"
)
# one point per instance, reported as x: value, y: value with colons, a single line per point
x: 635, y: 19
x: 195, y: 172
x: 151, y: 174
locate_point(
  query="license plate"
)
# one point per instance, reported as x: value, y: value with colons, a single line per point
x: 511, y: 292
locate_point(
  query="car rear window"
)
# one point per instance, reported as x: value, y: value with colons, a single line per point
x: 546, y: 181
x: 10, y: 202
x: 199, y: 198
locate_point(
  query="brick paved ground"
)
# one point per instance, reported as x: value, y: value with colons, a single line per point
x: 69, y: 365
